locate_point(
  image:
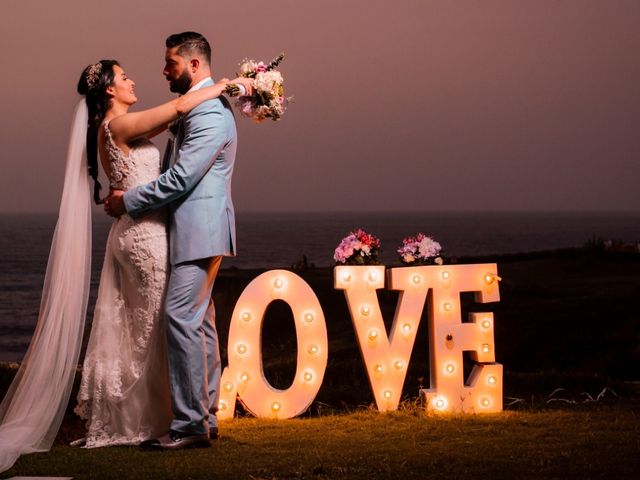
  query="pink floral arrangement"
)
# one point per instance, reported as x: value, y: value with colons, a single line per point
x: 268, y: 100
x: 358, y: 248
x: 420, y: 250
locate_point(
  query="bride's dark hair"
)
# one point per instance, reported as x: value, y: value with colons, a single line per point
x: 93, y: 84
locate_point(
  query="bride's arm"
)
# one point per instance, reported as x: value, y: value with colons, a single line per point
x: 130, y: 126
x: 157, y: 131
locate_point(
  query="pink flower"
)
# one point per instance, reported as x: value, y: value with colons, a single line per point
x: 420, y: 249
x: 358, y: 247
x: 261, y: 68
x: 246, y: 106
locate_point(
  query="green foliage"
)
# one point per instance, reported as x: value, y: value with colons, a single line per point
x: 275, y: 62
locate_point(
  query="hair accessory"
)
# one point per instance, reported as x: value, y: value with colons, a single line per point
x: 93, y: 74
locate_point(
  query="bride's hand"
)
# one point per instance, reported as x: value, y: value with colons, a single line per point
x: 247, y: 83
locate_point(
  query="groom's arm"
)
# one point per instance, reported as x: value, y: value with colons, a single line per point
x: 206, y: 137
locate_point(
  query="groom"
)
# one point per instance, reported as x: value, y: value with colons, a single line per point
x: 197, y: 187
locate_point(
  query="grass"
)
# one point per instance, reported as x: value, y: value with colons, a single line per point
x: 567, y: 319
x: 598, y: 441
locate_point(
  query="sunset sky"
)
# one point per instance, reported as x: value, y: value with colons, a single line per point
x: 409, y: 105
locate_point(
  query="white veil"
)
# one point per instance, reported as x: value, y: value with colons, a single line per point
x: 33, y: 408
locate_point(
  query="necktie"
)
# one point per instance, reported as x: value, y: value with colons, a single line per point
x: 168, y: 152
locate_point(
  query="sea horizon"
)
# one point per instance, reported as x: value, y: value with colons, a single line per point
x: 280, y: 238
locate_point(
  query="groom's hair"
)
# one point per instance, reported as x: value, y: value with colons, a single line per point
x: 190, y: 43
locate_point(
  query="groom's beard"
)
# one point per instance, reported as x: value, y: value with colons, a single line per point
x: 182, y: 84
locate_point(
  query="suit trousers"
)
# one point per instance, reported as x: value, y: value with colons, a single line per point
x: 193, y: 351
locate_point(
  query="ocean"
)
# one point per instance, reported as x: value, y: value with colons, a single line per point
x: 279, y: 240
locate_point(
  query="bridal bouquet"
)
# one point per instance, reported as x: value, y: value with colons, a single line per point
x: 268, y: 100
x: 420, y: 250
x: 358, y: 248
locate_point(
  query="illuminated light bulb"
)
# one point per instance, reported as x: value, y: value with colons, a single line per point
x: 485, y: 402
x: 244, y: 377
x: 313, y: 349
x: 440, y: 403
x: 399, y: 364
x: 373, y: 334
x: 228, y: 386
x: 246, y: 316
x: 406, y: 328
x: 489, y: 278
x: 278, y: 283
x: 491, y: 380
x: 308, y: 317
x: 222, y: 406
x: 241, y: 349
x: 445, y: 275
x: 346, y: 277
x: 308, y: 376
x: 447, y: 307
x: 416, y: 279
x: 387, y: 394
x: 275, y: 406
x: 379, y: 368
x: 373, y: 276
x: 486, y: 348
x: 449, y: 368
x: 365, y: 311
x: 486, y: 324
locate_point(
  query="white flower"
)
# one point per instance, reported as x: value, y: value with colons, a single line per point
x: 266, y: 81
x: 248, y: 66
x: 429, y: 247
x: 438, y: 261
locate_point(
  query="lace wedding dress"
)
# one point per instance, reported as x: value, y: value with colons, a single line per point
x: 124, y: 392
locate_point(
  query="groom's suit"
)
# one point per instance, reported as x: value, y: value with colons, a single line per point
x: 197, y: 188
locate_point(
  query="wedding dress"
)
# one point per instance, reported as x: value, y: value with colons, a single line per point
x: 124, y: 393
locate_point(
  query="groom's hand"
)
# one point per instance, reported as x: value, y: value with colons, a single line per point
x: 114, y: 203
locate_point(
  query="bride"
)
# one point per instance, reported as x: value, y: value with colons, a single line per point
x: 124, y: 392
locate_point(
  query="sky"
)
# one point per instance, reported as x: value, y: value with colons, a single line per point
x: 412, y: 105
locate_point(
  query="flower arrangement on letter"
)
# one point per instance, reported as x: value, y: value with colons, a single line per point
x: 357, y: 248
x: 420, y: 250
x: 268, y: 100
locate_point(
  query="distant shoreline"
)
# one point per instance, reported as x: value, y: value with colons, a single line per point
x: 579, y: 304
x: 383, y: 212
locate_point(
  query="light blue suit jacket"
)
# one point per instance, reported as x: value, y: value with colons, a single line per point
x: 197, y: 186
